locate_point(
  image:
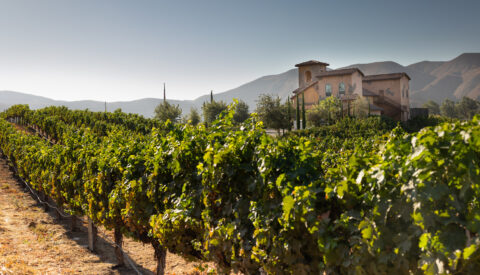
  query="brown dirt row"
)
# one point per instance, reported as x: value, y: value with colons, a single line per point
x: 33, y: 241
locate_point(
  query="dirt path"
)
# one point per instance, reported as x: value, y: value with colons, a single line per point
x: 33, y: 241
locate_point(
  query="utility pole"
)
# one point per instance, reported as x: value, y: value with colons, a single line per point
x: 105, y: 106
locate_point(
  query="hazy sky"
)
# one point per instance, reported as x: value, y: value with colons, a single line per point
x: 123, y: 50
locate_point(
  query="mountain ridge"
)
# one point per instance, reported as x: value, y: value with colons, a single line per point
x: 431, y: 80
x: 435, y: 80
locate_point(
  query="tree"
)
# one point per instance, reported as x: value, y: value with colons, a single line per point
x: 272, y: 112
x: 361, y: 107
x: 325, y: 112
x: 289, y: 113
x: 448, y: 108
x: 194, y: 117
x: 317, y: 116
x: 333, y: 106
x: 304, y: 119
x: 432, y: 106
x: 166, y: 111
x: 297, y: 113
x: 467, y: 108
x: 241, y: 112
x: 212, y: 109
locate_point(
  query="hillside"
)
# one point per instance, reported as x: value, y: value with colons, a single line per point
x: 431, y: 80
x: 453, y: 79
x: 419, y: 78
x: 436, y: 80
x: 144, y: 106
x: 281, y: 84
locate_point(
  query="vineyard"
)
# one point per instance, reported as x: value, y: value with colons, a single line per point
x: 360, y: 197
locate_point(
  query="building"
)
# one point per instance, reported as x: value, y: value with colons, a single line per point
x: 387, y: 94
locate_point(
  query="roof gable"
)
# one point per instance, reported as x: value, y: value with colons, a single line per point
x: 299, y: 90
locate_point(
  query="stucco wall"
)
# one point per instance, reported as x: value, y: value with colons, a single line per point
x: 314, y: 69
x: 357, y: 83
x: 405, y: 86
x: 393, y: 92
x: 393, y: 102
x: 334, y: 81
x: 311, y: 97
x: 391, y: 88
x: 353, y: 84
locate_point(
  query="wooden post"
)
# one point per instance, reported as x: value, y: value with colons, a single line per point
x: 92, y: 235
x: 44, y: 198
x: 58, y: 214
x: 118, y: 241
x: 73, y: 223
x: 160, y: 256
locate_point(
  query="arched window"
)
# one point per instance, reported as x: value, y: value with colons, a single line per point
x: 341, y: 88
x: 328, y: 90
x: 308, y: 76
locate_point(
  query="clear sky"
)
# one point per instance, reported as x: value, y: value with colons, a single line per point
x: 122, y: 50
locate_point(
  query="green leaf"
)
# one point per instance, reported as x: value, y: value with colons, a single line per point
x: 366, y: 229
x: 424, y: 239
x: 467, y: 252
x: 287, y: 206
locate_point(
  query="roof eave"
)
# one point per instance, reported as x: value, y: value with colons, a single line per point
x: 311, y: 62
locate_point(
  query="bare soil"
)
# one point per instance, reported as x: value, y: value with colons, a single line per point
x: 33, y: 241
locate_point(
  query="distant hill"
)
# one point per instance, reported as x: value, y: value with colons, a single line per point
x: 143, y: 106
x: 431, y: 80
x: 437, y: 80
x: 419, y: 78
x: 280, y: 84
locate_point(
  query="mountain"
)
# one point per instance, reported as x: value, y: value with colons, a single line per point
x: 435, y: 80
x: 426, y: 66
x: 143, y: 106
x: 454, y: 79
x: 420, y: 80
x: 431, y: 80
x: 280, y: 84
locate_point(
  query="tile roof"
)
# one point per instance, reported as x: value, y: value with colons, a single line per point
x: 339, y: 72
x: 299, y: 90
x: 385, y: 76
x: 311, y: 62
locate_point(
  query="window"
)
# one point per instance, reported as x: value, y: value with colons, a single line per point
x: 328, y: 90
x: 308, y: 76
x: 341, y: 88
